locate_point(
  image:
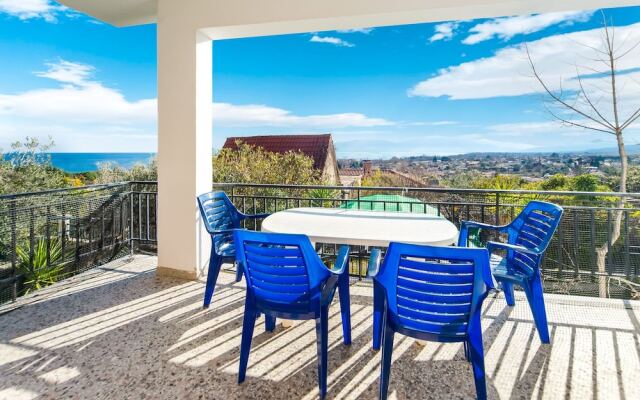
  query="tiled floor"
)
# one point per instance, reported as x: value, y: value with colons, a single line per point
x: 119, y: 332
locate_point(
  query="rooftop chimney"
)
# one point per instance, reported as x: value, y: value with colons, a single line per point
x: 366, y: 167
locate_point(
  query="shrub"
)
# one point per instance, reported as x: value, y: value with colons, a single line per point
x: 37, y: 274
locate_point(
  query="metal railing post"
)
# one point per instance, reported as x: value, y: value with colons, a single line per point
x: 14, y: 244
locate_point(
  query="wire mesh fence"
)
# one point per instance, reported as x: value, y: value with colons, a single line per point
x: 48, y: 236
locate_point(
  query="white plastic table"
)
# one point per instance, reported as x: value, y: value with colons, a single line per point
x: 362, y: 228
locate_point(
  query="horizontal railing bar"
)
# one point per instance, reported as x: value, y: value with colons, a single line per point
x: 62, y: 190
x: 394, y: 202
x: 430, y: 189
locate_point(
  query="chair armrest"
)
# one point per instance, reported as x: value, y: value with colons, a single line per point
x: 224, y: 231
x: 342, y: 260
x: 339, y: 268
x: 254, y: 216
x: 474, y: 224
x: 374, y: 263
x: 463, y: 237
x: 329, y: 288
x: 491, y: 246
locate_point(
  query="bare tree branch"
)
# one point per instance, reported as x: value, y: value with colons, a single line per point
x: 559, y: 99
x: 627, y: 52
x: 586, y: 97
x: 634, y: 116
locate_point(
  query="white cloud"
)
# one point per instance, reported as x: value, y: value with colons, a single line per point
x: 508, y: 72
x: 29, y: 9
x: 82, y: 114
x: 253, y: 115
x: 331, y: 40
x: 68, y: 72
x: 366, y: 31
x: 506, y: 28
x: 444, y: 31
x: 78, y: 99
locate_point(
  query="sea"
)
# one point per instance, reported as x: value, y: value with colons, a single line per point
x: 87, y: 162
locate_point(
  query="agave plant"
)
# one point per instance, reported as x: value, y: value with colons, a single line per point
x: 37, y: 274
x: 323, y: 197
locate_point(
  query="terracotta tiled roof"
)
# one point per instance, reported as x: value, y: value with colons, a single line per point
x: 351, y: 171
x: 314, y: 146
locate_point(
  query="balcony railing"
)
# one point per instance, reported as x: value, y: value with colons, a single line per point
x: 92, y: 225
x: 69, y: 231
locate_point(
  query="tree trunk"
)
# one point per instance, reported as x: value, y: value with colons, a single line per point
x: 602, y: 251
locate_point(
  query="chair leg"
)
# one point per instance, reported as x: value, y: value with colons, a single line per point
x: 269, y: 323
x: 507, y: 288
x: 467, y: 355
x: 387, y: 351
x: 238, y: 272
x: 345, y: 307
x: 378, y: 310
x: 535, y: 297
x: 248, y: 324
x: 476, y: 354
x: 215, y: 263
x: 322, y: 332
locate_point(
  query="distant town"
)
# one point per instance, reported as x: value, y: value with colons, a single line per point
x: 436, y: 170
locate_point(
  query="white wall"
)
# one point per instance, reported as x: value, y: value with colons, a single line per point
x: 184, y: 145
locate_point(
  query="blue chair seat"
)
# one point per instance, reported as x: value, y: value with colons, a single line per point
x: 500, y: 271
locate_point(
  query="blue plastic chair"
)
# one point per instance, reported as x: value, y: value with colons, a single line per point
x: 220, y: 218
x: 528, y: 237
x: 287, y: 279
x: 431, y: 293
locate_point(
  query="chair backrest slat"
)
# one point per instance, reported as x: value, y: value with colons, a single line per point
x: 277, y: 268
x: 533, y: 228
x: 219, y: 213
x: 433, y: 289
x: 440, y: 298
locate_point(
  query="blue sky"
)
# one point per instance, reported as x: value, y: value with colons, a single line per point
x: 439, y: 88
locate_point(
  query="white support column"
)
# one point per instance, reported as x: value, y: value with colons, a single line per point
x: 184, y: 146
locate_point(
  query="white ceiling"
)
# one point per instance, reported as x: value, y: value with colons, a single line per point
x: 323, y: 13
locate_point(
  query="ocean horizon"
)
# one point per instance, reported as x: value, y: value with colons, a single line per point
x: 89, y: 162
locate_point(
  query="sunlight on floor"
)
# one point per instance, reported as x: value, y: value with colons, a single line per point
x: 94, y: 324
x: 153, y: 338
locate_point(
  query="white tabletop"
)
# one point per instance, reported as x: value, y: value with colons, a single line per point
x: 362, y: 228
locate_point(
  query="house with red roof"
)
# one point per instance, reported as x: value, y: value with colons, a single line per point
x: 319, y: 147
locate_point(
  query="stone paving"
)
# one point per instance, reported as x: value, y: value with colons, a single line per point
x: 118, y: 332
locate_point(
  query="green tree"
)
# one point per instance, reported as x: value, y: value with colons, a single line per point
x: 249, y: 164
x: 112, y: 173
x: 499, y: 182
x: 28, y: 168
x: 383, y: 180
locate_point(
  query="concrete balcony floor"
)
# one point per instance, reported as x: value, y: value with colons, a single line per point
x: 120, y: 332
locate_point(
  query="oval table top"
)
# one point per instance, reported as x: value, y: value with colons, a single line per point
x: 362, y: 228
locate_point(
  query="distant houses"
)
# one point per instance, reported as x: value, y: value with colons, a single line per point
x: 318, y: 147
